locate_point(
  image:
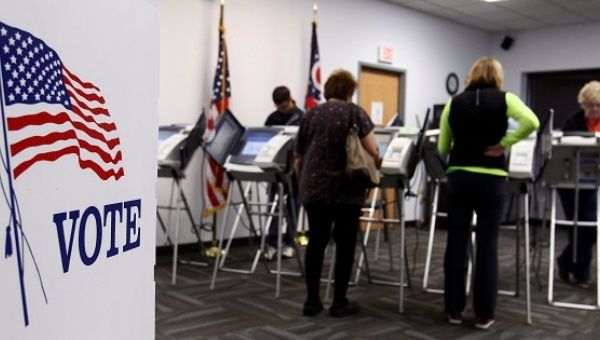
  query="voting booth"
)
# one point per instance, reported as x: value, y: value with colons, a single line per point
x: 402, y: 151
x: 177, y: 144
x: 254, y: 155
x: 574, y: 164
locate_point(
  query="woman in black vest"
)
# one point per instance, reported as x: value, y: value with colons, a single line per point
x: 473, y: 130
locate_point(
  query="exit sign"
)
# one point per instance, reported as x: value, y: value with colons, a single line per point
x: 385, y: 54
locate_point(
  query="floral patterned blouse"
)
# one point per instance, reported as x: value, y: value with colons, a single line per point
x: 321, y: 143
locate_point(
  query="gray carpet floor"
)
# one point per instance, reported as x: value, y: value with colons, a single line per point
x: 244, y: 306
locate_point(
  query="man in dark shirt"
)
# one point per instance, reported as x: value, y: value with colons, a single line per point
x: 286, y: 114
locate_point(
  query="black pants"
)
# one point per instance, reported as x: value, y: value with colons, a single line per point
x: 586, y: 236
x: 321, y: 218
x: 484, y: 194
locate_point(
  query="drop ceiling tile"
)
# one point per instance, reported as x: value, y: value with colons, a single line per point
x: 524, y: 24
x: 563, y: 19
x: 450, y: 3
x: 422, y: 5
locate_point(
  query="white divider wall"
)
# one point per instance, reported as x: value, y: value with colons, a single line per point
x: 87, y: 245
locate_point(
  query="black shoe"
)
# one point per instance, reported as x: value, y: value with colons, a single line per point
x: 585, y: 284
x: 582, y: 283
x: 345, y: 309
x: 312, y: 308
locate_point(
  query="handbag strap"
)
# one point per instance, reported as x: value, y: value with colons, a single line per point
x: 353, y: 118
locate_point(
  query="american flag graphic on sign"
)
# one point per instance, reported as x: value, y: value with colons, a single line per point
x: 52, y: 113
x: 216, y: 181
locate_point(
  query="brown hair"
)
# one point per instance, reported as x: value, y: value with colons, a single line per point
x: 486, y: 71
x: 281, y: 94
x: 340, y: 85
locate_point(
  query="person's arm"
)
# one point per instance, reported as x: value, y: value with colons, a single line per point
x: 298, y: 164
x: 446, y: 136
x: 369, y: 142
x: 528, y: 121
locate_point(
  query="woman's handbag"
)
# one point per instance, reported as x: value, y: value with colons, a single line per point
x: 359, y: 164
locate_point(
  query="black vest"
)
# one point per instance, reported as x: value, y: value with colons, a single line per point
x: 478, y: 120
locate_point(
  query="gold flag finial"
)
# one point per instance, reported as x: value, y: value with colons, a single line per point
x: 315, y: 8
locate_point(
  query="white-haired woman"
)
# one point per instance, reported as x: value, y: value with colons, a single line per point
x: 577, y: 271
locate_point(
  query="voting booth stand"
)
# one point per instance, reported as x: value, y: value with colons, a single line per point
x: 575, y: 165
x: 378, y: 205
x: 436, y: 170
x: 255, y: 156
x: 177, y: 144
x: 402, y: 154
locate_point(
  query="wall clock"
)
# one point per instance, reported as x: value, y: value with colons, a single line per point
x: 452, y: 83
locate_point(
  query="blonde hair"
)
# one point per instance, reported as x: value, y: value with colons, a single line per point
x: 589, y: 93
x: 486, y: 71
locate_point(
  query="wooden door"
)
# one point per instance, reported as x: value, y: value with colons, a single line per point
x: 379, y: 89
x: 380, y: 93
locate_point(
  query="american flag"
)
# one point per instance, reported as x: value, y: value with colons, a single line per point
x: 51, y: 112
x: 216, y: 181
x: 313, y: 93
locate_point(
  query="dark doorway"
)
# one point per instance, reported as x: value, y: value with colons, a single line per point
x: 557, y: 90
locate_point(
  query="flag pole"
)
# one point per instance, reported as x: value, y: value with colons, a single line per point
x: 13, y: 221
x: 225, y: 66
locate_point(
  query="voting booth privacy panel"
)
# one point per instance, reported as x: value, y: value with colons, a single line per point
x: 79, y: 90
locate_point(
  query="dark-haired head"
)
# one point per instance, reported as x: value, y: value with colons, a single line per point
x: 340, y: 85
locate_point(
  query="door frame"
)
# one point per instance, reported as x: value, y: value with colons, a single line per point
x: 401, y: 86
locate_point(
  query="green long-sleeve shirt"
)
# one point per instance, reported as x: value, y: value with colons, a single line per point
x: 516, y: 109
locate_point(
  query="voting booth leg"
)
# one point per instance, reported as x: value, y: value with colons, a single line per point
x: 195, y: 227
x: 279, y: 239
x: 371, y: 211
x: 176, y: 238
x: 551, y: 259
x: 433, y: 220
x: 364, y: 241
x: 400, y: 205
x: 527, y: 256
x: 163, y: 226
x: 245, y: 206
x: 218, y: 262
x: 241, y: 207
x: 236, y: 221
x: 551, y: 247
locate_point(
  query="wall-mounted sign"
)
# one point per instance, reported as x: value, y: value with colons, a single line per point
x: 385, y: 54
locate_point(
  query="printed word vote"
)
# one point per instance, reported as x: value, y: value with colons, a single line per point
x: 120, y: 217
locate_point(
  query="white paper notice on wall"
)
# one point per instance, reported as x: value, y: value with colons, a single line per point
x: 385, y: 54
x: 377, y: 112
